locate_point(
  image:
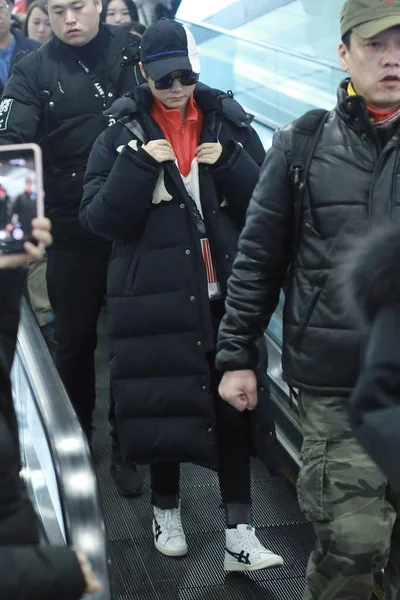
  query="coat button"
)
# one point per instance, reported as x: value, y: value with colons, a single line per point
x: 395, y: 138
x: 51, y: 104
x: 209, y: 430
x: 125, y: 58
x: 214, y: 212
x: 192, y: 298
x: 110, y: 94
x: 226, y: 255
x: 204, y: 388
x: 187, y: 252
x: 199, y: 343
x: 73, y: 174
x: 182, y: 206
x: 262, y: 389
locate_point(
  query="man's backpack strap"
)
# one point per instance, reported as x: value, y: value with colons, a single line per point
x: 306, y: 133
x: 48, y: 77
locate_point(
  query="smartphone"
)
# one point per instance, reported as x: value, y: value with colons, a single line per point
x: 21, y: 195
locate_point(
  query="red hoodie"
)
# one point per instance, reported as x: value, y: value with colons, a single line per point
x: 183, y: 135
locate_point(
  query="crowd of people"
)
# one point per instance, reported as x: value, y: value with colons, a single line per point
x: 161, y: 199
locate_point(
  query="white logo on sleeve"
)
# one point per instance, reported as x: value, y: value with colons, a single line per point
x: 5, y: 109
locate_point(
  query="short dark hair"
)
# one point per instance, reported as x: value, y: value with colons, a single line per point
x: 346, y: 39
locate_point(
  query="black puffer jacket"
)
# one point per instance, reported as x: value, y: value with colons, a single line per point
x: 51, y: 100
x: 371, y: 290
x: 159, y: 312
x: 27, y: 571
x: 353, y: 185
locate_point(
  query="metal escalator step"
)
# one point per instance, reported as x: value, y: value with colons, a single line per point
x: 139, y: 565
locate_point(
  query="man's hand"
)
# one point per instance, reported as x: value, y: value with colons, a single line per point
x: 209, y: 153
x: 239, y: 388
x: 160, y: 150
x: 41, y: 228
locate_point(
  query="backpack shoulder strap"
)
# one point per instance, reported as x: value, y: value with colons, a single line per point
x: 135, y: 128
x: 305, y: 136
x: 48, y: 73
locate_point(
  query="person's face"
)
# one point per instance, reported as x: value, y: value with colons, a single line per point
x: 176, y: 96
x: 117, y: 13
x: 75, y: 22
x: 374, y: 66
x: 5, y: 19
x: 39, y: 27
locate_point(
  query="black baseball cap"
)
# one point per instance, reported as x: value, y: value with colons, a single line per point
x: 168, y: 46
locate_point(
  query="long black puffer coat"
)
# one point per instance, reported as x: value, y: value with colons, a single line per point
x: 159, y: 312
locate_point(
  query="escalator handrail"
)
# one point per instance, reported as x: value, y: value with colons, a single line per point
x: 77, y: 483
x: 266, y: 45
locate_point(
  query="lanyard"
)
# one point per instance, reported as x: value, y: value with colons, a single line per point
x: 98, y: 87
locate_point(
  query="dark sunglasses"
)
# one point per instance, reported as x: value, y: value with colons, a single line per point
x: 185, y: 78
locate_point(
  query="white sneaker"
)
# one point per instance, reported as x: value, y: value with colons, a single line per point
x: 244, y: 552
x: 169, y: 537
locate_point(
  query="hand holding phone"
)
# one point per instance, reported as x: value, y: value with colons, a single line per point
x: 41, y: 233
x: 21, y: 195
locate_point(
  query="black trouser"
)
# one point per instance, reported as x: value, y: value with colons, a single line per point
x: 76, y: 281
x: 234, y: 444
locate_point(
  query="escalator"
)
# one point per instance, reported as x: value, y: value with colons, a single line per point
x: 55, y: 457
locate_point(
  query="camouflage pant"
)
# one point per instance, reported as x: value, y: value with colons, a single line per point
x: 353, y: 510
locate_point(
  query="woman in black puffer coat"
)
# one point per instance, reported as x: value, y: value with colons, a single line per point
x: 371, y: 281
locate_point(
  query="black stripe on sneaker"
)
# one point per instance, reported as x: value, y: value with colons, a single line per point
x: 240, y: 557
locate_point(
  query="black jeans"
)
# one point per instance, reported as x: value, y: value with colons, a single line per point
x: 76, y: 281
x: 234, y: 446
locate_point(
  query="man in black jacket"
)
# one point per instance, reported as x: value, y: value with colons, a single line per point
x: 56, y: 96
x: 351, y: 184
x: 170, y: 183
x: 27, y: 570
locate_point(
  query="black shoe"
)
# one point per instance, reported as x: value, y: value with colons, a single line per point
x: 127, y: 478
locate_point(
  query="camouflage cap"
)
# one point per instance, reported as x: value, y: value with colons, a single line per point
x: 369, y: 17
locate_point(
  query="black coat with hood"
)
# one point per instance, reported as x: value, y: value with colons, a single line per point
x: 352, y: 185
x: 51, y: 100
x: 27, y: 571
x: 371, y: 290
x: 159, y: 313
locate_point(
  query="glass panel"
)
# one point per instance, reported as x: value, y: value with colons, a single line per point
x: 277, y: 86
x: 307, y: 26
x: 199, y: 11
x: 38, y: 470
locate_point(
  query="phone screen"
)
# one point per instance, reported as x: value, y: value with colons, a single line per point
x: 20, y: 192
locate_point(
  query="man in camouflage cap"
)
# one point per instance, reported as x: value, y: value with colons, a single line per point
x: 353, y: 184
